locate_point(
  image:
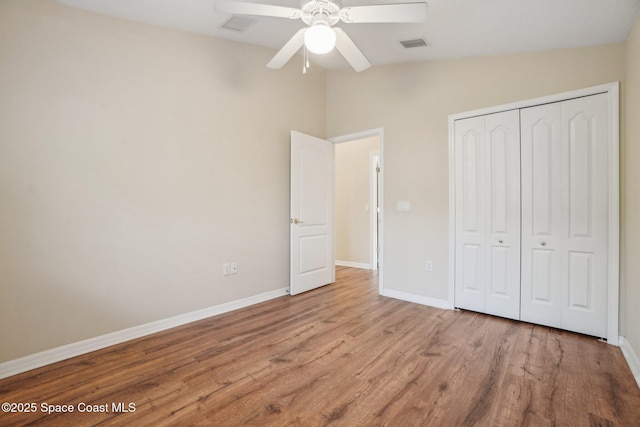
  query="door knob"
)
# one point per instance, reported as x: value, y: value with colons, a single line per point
x: 296, y: 221
x: 543, y: 243
x: 500, y: 241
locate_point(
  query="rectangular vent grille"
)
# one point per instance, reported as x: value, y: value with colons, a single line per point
x: 408, y: 44
x: 237, y: 23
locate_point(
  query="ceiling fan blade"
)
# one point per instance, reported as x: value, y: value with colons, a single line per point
x: 399, y: 12
x: 244, y: 8
x: 288, y: 50
x: 350, y: 51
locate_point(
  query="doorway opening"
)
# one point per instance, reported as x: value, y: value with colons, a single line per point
x: 358, y: 196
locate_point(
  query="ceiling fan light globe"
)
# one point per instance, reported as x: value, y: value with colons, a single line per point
x: 320, y: 38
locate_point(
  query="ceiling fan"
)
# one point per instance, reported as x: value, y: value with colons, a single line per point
x: 321, y: 36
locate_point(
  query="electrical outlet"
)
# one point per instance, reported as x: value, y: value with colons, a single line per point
x: 226, y: 269
x: 429, y: 266
x: 234, y: 268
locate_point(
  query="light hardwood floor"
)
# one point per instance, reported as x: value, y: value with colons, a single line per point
x: 340, y: 355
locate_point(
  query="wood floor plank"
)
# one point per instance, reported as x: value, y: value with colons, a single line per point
x: 340, y: 355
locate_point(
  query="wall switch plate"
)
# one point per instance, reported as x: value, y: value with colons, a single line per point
x: 234, y: 268
x: 429, y: 266
x: 226, y: 269
x: 403, y: 206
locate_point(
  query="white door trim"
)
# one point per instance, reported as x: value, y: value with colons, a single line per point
x: 374, y: 203
x: 376, y: 132
x: 613, y: 283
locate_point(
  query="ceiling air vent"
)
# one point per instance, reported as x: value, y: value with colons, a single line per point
x: 237, y: 23
x: 414, y: 43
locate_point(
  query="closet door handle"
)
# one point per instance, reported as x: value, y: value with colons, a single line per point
x: 500, y: 241
x: 543, y: 243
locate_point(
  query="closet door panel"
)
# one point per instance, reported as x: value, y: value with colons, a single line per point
x: 499, y: 280
x: 542, y: 291
x: 586, y: 128
x: 539, y: 159
x: 502, y: 135
x: 472, y: 151
x: 470, y: 270
x: 542, y: 215
x: 487, y: 156
x: 565, y: 214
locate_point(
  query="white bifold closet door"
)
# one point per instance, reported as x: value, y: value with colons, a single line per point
x: 565, y: 220
x: 487, y: 164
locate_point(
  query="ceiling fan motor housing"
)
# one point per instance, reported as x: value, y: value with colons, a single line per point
x: 326, y: 11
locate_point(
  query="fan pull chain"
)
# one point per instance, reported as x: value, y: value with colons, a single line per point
x: 305, y: 60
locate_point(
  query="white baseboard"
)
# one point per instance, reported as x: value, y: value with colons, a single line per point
x: 418, y: 299
x: 353, y: 264
x: 68, y: 351
x: 632, y: 358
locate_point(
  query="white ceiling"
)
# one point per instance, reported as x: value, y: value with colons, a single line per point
x: 454, y: 28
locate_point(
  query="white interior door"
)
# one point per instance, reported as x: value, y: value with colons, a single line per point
x: 586, y: 129
x: 543, y: 215
x: 312, y: 260
x: 487, y: 263
x: 565, y: 220
x: 470, y: 262
x: 502, y: 133
x: 569, y: 183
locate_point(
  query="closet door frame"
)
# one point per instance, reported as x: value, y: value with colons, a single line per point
x: 613, y: 283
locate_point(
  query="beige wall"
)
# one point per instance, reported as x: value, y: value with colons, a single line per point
x: 353, y: 193
x: 631, y: 194
x: 412, y: 103
x: 134, y: 162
